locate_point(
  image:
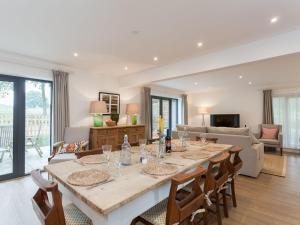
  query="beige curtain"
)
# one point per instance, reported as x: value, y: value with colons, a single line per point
x: 146, y: 110
x: 61, y: 112
x: 185, y: 112
x: 267, y: 107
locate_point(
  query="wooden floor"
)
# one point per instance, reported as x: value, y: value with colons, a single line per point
x: 268, y: 200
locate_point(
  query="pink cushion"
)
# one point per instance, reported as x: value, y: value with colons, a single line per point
x: 270, y: 133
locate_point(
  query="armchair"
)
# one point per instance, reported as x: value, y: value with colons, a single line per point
x: 71, y: 135
x: 275, y: 143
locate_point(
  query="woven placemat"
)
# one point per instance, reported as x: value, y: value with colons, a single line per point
x: 93, y: 159
x: 159, y: 169
x: 88, y: 177
x: 196, y: 155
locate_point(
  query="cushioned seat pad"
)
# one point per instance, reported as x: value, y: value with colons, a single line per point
x: 74, y: 216
x: 157, y: 214
x: 270, y: 141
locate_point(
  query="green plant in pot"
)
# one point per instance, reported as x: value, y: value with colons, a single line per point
x: 115, y: 117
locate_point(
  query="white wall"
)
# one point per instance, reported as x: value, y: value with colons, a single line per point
x: 83, y: 88
x: 246, y: 102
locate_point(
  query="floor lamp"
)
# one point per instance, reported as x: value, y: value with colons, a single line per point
x: 202, y: 111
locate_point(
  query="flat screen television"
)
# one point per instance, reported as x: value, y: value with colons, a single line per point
x: 225, y: 120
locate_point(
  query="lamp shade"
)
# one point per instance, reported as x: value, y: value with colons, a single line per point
x: 98, y: 107
x: 132, y: 109
x: 203, y: 110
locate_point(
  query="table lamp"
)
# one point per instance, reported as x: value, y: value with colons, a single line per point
x: 203, y: 111
x: 97, y: 109
x: 133, y: 110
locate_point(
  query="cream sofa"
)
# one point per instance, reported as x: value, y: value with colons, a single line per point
x: 253, y: 151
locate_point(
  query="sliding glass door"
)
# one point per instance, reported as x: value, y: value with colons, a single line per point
x: 168, y: 109
x: 287, y: 113
x: 25, y: 125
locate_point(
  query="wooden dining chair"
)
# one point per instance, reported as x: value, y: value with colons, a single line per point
x: 88, y: 152
x: 173, y: 211
x: 208, y: 140
x: 216, y: 184
x: 234, y: 165
x: 52, y: 212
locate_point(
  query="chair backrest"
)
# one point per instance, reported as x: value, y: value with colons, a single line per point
x: 217, y: 173
x: 235, y: 163
x: 75, y: 134
x: 180, y: 210
x: 6, y: 136
x: 88, y: 152
x: 48, y: 212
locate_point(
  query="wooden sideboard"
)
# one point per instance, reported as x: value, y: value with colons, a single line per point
x: 114, y: 135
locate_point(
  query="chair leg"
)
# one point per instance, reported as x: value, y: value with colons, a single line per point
x: 233, y: 193
x: 225, y: 203
x: 281, y: 151
x: 219, y: 218
x: 205, y: 217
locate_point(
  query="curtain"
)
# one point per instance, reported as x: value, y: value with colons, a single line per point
x: 267, y: 107
x: 61, y: 113
x: 146, y: 110
x: 184, y: 109
x: 287, y: 113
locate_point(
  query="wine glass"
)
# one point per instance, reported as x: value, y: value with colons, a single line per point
x: 106, y: 151
x: 117, y: 164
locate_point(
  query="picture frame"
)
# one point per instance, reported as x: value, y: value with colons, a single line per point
x: 112, y: 101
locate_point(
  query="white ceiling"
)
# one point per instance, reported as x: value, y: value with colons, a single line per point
x: 101, y: 30
x: 279, y: 72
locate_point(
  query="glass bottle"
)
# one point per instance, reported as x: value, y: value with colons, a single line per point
x: 168, y: 142
x: 126, y: 152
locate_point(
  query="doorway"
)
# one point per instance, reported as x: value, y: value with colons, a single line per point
x: 25, y: 125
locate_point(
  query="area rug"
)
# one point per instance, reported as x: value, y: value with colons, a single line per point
x: 275, y: 165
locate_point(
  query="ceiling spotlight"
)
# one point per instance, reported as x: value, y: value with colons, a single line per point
x: 199, y: 44
x: 75, y: 54
x: 196, y: 83
x: 155, y: 59
x: 240, y: 77
x: 125, y: 68
x: 250, y: 82
x: 274, y: 19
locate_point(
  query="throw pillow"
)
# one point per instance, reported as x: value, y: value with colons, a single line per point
x: 270, y: 133
x: 72, y: 148
x: 254, y: 139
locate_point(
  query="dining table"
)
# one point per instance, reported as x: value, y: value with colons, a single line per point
x: 131, y: 191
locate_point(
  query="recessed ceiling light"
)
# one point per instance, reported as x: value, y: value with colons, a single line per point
x: 250, y: 82
x: 196, y: 83
x: 199, y: 44
x: 75, y: 54
x: 240, y: 77
x: 155, y: 58
x: 125, y: 68
x: 274, y: 19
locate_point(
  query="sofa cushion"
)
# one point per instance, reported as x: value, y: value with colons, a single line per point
x: 270, y: 141
x: 228, y: 130
x: 62, y: 158
x: 191, y: 128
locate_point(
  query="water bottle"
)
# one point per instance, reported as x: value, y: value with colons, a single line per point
x: 126, y: 152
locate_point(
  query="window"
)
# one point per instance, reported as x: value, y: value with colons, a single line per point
x: 168, y: 109
x: 287, y: 113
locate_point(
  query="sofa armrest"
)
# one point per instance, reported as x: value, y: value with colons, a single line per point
x: 55, y: 148
x: 85, y: 145
x: 257, y: 135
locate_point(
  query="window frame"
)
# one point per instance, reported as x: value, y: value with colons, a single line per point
x: 161, y: 99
